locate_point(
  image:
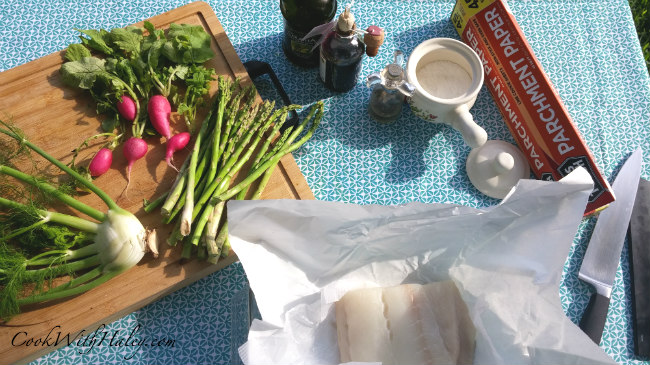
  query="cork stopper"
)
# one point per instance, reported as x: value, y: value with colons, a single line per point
x: 373, y: 39
x: 345, y: 24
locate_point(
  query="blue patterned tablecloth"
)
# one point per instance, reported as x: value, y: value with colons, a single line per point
x: 589, y: 49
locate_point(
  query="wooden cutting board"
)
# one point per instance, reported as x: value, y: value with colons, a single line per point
x: 58, y: 119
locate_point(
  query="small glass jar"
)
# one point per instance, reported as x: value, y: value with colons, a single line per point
x: 388, y: 90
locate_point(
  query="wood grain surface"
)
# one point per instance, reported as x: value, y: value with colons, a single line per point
x: 58, y: 119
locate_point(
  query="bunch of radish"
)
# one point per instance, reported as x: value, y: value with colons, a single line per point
x: 159, y: 110
x: 125, y: 67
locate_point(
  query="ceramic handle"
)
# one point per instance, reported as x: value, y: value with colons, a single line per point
x: 461, y: 119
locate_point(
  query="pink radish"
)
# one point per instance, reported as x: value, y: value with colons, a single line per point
x: 159, y: 111
x: 174, y: 144
x: 127, y: 108
x: 134, y: 149
x: 101, y: 162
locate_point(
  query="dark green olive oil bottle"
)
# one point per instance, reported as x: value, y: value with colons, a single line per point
x: 300, y: 17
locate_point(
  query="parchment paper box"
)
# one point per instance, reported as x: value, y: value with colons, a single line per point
x: 532, y: 109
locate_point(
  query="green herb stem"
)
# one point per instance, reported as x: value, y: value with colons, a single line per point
x: 85, y: 182
x: 54, y: 192
x: 22, y: 230
x: 55, y: 217
x: 73, y: 222
x: 66, y: 255
x: 79, y: 253
x: 77, y: 281
x: 84, y: 263
x: 47, y: 296
x: 149, y: 206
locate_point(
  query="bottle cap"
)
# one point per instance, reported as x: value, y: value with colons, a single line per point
x: 392, y: 76
x: 394, y: 72
x: 496, y: 167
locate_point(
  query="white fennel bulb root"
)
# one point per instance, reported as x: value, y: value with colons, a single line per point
x: 121, y: 241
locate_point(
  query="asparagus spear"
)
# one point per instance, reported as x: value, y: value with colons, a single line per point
x: 228, y: 140
x: 273, y: 160
x: 186, y: 218
x: 224, y: 95
x: 222, y: 194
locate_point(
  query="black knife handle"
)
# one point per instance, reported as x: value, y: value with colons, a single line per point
x: 593, y: 320
x: 256, y: 69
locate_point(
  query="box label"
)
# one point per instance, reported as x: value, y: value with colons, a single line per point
x: 530, y: 106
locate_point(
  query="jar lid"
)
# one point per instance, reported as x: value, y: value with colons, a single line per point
x: 496, y: 167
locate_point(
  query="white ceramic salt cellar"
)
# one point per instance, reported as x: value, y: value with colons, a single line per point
x: 447, y: 76
x: 496, y: 167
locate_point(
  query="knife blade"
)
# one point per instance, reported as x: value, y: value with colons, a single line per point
x: 605, y: 245
x: 640, y: 268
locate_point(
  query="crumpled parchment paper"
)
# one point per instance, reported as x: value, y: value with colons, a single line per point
x: 302, y: 256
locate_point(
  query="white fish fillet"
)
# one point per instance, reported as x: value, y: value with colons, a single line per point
x: 360, y: 323
x: 456, y: 327
x: 405, y: 325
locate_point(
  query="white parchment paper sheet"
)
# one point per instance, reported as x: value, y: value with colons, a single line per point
x: 301, y: 256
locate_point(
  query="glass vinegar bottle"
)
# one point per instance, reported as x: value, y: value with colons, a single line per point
x: 341, y: 54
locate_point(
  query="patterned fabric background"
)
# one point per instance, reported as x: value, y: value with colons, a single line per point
x: 589, y: 49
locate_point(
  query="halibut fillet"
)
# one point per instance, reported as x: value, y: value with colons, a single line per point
x: 408, y: 324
